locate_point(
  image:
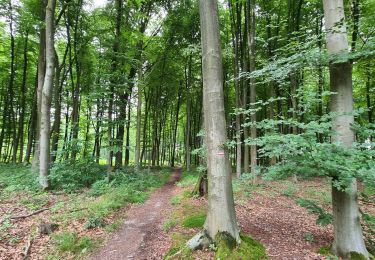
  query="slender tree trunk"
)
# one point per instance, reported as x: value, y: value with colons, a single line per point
x: 370, y: 109
x: 127, y: 142
x: 253, y: 117
x: 41, y: 74
x: 10, y: 92
x: 347, y: 228
x: 137, y: 159
x: 33, y: 123
x: 188, y: 77
x: 176, y: 126
x: 221, y: 216
x: 46, y: 97
x: 21, y: 124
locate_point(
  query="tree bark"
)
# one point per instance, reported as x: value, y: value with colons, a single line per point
x: 347, y: 228
x: 221, y: 216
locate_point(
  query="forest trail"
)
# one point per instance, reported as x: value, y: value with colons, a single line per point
x: 142, y: 226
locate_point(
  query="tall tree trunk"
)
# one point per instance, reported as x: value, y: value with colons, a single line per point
x: 221, y: 216
x: 46, y: 97
x: 370, y: 109
x: 41, y: 74
x: 176, y: 126
x: 33, y: 123
x: 188, y: 76
x: 127, y: 139
x: 10, y: 92
x: 21, y: 125
x: 236, y: 31
x: 347, y: 228
x: 137, y: 159
x: 253, y: 117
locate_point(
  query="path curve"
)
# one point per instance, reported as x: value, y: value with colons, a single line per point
x: 143, y: 220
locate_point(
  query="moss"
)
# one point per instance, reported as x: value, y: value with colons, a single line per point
x: 194, y: 221
x: 357, y: 256
x: 325, y: 250
x: 248, y: 249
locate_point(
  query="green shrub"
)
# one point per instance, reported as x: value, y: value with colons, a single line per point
x: 94, y: 222
x: 323, y: 219
x: 290, y: 191
x: 100, y: 187
x: 73, y: 176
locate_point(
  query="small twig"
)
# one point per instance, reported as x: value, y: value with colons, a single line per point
x: 29, y: 215
x: 27, y: 249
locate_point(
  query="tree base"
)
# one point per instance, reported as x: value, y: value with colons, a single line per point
x: 227, y: 247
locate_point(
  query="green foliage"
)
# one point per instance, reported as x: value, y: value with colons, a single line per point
x: 194, y: 221
x: 305, y: 155
x: 247, y: 249
x: 70, y: 242
x: 323, y: 219
x: 73, y: 176
x: 15, y: 177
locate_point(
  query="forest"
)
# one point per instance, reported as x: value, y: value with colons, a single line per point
x: 191, y: 129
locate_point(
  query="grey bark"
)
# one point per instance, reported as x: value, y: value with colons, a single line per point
x: 347, y: 229
x: 221, y: 216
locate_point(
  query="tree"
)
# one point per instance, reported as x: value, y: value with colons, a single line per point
x: 45, y: 123
x: 221, y: 216
x: 347, y: 229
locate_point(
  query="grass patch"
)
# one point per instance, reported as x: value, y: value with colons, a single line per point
x: 290, y: 190
x: 70, y: 242
x: 169, y: 224
x: 110, y: 228
x: 179, y: 250
x: 176, y: 199
x: 194, y: 221
x: 188, y: 178
x: 16, y: 178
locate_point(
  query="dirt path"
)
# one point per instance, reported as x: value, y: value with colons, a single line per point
x: 143, y: 227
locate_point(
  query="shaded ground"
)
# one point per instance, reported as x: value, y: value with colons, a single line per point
x: 135, y: 240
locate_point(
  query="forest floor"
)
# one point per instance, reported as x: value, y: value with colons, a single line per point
x: 159, y: 228
x: 268, y: 212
